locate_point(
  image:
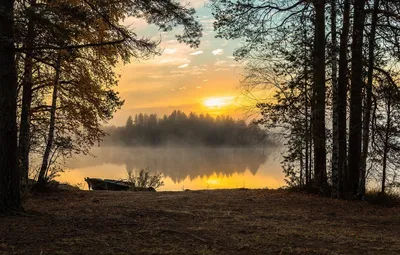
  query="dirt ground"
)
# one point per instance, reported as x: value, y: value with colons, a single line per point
x: 199, y: 222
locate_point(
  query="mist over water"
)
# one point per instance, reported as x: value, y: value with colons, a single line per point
x: 182, y: 167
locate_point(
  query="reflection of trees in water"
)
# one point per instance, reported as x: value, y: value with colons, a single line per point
x: 179, y: 163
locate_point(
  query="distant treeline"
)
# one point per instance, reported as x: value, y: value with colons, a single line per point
x: 181, y: 129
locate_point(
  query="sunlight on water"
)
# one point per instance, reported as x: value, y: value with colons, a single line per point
x: 183, y: 168
x: 244, y: 180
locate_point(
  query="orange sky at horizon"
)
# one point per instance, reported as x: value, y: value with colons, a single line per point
x: 182, y: 78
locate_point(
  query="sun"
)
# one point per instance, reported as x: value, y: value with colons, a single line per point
x: 217, y: 102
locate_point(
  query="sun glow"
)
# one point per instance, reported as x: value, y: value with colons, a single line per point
x: 213, y: 181
x: 217, y: 102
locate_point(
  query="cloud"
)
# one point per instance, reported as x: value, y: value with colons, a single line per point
x: 167, y: 60
x: 135, y: 23
x: 183, y: 66
x: 218, y: 52
x: 196, y: 53
x: 170, y: 51
x: 170, y: 60
x: 221, y: 63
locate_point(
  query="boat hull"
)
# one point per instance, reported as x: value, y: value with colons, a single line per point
x: 106, y: 184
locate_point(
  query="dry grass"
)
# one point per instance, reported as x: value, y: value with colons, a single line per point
x: 199, y: 222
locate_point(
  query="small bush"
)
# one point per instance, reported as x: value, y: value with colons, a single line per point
x: 142, y: 180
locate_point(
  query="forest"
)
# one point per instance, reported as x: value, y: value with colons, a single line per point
x: 179, y: 129
x: 334, y: 68
x: 58, y: 78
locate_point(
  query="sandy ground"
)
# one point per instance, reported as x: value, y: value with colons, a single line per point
x: 199, y: 222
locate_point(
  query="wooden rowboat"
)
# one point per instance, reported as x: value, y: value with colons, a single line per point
x: 106, y: 184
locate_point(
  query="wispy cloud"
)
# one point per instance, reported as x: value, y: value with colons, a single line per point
x: 165, y: 61
x: 196, y: 53
x: 218, y: 52
x: 183, y: 66
x: 170, y: 51
x: 221, y: 63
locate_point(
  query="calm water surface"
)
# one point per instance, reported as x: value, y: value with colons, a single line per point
x: 182, y: 168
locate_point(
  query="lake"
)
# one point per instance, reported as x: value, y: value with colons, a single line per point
x: 182, y: 168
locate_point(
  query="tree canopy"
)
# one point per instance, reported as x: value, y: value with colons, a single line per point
x: 179, y: 129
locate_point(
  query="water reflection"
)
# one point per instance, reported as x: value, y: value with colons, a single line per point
x: 193, y: 168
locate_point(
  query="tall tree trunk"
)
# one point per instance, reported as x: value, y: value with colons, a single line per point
x: 356, y: 99
x: 311, y: 152
x: 386, y: 145
x: 307, y: 132
x: 306, y: 106
x: 342, y: 96
x: 27, y: 84
x: 335, y: 113
x: 50, y: 136
x: 368, y: 103
x: 10, y: 201
x: 307, y: 170
x: 306, y: 116
x: 319, y: 135
x: 301, y: 166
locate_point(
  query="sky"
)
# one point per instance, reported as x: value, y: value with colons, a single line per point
x: 202, y: 80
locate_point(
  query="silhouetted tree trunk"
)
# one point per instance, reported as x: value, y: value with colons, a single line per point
x: 319, y: 97
x: 10, y: 201
x: 342, y: 96
x: 368, y: 103
x: 306, y: 123
x: 27, y: 84
x: 50, y: 136
x: 311, y: 146
x: 356, y: 99
x: 306, y: 106
x: 386, y: 143
x: 301, y: 166
x: 335, y: 113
